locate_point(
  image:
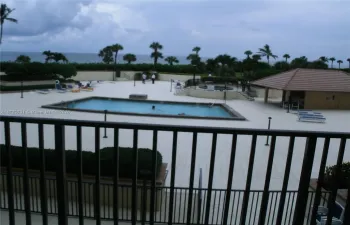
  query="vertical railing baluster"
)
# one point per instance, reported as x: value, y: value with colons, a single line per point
x: 80, y: 175
x: 97, y: 197
x: 211, y: 177
x: 9, y: 177
x: 61, y: 183
x: 347, y: 208
x: 116, y: 178
x: 25, y: 173
x: 193, y: 167
x: 320, y: 181
x: 172, y: 179
x: 334, y: 184
x: 230, y: 178
x: 304, y: 182
x: 265, y: 197
x: 43, y: 192
x: 134, y: 178
x: 248, y: 183
x: 155, y: 167
x: 285, y: 181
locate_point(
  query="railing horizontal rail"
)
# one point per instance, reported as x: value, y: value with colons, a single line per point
x: 136, y: 126
x: 215, y: 208
x: 86, y: 181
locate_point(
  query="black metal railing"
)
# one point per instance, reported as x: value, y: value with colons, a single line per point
x: 162, y: 201
x: 219, y: 206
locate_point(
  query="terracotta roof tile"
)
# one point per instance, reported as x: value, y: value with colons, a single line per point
x: 308, y: 80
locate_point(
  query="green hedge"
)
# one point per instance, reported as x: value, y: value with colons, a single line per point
x: 26, y: 88
x: 344, y: 176
x: 35, y: 71
x: 126, y: 162
x: 16, y: 78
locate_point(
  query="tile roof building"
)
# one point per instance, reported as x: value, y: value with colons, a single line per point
x: 313, y: 88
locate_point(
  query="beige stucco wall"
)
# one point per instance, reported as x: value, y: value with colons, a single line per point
x: 129, y: 75
x: 324, y: 100
x: 273, y: 93
x: 94, y: 75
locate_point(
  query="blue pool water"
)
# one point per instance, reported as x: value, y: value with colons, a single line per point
x: 145, y: 107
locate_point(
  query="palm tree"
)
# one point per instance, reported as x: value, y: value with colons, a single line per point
x: 171, y: 60
x: 323, y: 59
x: 332, y: 59
x: 129, y: 58
x: 248, y: 53
x: 106, y: 54
x: 23, y: 59
x: 56, y: 56
x: 156, y: 54
x: 286, y: 56
x: 266, y: 52
x: 349, y: 62
x: 196, y: 49
x: 4, y: 15
x: 115, y: 49
x: 49, y: 56
x: 339, y: 62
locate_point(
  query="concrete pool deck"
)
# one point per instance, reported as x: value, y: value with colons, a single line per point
x: 256, y: 113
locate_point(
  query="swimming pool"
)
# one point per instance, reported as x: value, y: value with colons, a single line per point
x: 150, y: 108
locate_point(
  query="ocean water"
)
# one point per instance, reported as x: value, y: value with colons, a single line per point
x: 82, y: 57
x: 145, y: 107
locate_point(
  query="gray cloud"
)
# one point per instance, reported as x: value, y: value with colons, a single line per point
x: 294, y: 27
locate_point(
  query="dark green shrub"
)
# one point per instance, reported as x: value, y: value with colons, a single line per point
x: 35, y: 70
x: 15, y: 78
x: 126, y: 161
x: 26, y: 88
x: 344, y: 176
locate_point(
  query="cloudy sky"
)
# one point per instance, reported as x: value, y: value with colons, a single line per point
x: 312, y: 28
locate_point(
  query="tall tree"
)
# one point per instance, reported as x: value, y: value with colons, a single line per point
x: 106, y: 54
x: 4, y: 16
x: 226, y: 65
x: 196, y: 49
x: 286, y: 56
x: 266, y: 52
x: 300, y: 62
x: 48, y: 56
x: 256, y: 57
x: 194, y: 59
x: 156, y: 54
x: 349, y: 62
x: 332, y: 59
x: 115, y: 49
x: 56, y: 56
x: 323, y: 59
x: 171, y: 60
x: 211, y: 64
x: 339, y: 62
x: 282, y: 65
x: 129, y: 58
x: 23, y: 59
x: 248, y: 53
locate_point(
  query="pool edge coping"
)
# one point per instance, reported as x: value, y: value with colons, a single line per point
x: 235, y: 115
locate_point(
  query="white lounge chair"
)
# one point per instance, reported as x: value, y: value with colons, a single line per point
x: 338, y: 215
